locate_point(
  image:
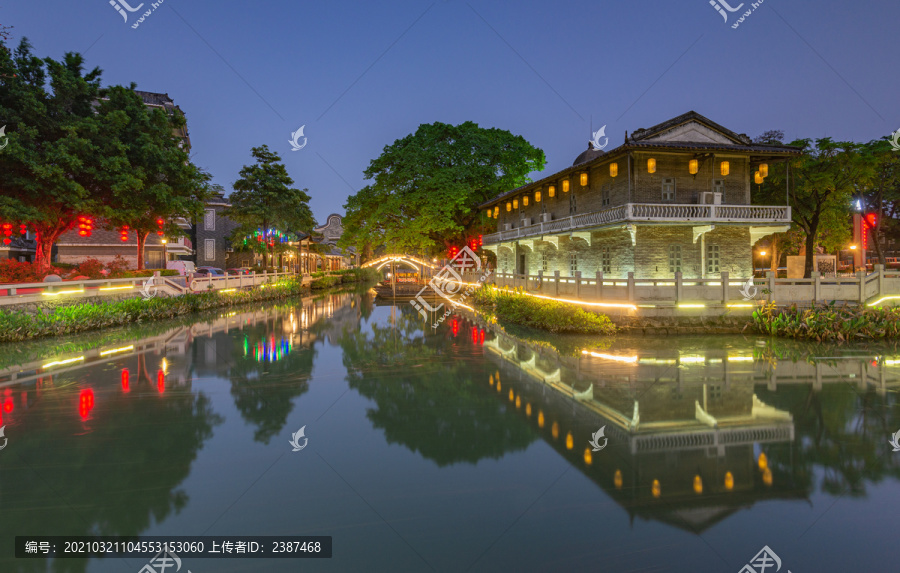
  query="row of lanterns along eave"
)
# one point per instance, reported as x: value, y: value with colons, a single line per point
x: 693, y: 168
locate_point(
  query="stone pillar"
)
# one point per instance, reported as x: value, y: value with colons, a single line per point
x: 631, y: 287
x: 861, y: 277
x: 578, y: 284
x: 679, y: 287
x: 540, y: 283
x: 817, y: 286
x: 599, y: 285
x: 770, y: 278
x: 724, y: 287
x: 555, y: 283
x: 880, y: 270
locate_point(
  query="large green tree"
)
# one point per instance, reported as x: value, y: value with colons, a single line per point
x: 264, y: 201
x: 154, y: 179
x: 426, y: 187
x: 823, y: 181
x: 51, y: 170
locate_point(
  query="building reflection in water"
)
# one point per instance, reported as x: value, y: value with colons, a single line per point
x: 690, y: 438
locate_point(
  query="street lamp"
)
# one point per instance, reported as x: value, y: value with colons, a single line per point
x: 853, y: 248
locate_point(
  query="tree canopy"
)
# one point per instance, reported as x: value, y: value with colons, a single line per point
x: 426, y: 186
x: 266, y: 206
x: 75, y: 149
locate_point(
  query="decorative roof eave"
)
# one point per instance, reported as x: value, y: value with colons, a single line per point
x: 755, y: 150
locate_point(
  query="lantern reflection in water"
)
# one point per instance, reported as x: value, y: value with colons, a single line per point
x: 85, y: 403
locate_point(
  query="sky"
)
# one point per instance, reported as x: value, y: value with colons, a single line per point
x: 360, y: 75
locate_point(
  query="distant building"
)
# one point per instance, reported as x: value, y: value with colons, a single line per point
x: 328, y: 235
x: 213, y: 247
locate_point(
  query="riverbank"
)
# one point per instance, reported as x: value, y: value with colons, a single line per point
x: 17, y: 325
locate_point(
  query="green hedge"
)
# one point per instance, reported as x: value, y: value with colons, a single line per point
x: 19, y: 325
x: 553, y: 316
x: 829, y: 322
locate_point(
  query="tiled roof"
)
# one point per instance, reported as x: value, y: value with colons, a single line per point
x: 771, y: 151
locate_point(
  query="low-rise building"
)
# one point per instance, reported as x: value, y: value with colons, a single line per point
x: 673, y: 198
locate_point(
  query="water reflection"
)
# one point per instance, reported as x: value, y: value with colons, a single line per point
x: 105, y: 430
x: 442, y: 414
x: 702, y: 427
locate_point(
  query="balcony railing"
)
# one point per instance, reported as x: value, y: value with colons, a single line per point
x: 655, y: 212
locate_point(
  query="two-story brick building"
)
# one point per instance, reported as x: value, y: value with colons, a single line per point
x: 673, y: 198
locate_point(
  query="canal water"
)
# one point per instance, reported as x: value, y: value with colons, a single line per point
x: 468, y: 447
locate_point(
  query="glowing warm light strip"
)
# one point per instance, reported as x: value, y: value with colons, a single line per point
x: 737, y: 305
x: 61, y: 292
x: 882, y: 299
x: 740, y: 359
x: 628, y: 359
x: 646, y: 306
x: 118, y: 288
x: 891, y: 362
x: 691, y: 306
x: 61, y: 362
x: 687, y: 359
x: 228, y: 290
x: 113, y: 351
x: 655, y: 361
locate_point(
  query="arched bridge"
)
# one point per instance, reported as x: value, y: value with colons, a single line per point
x: 406, y: 260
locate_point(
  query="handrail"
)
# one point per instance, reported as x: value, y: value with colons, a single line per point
x: 650, y: 212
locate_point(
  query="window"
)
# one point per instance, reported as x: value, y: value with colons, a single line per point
x: 210, y: 254
x: 209, y: 221
x: 712, y: 259
x: 674, y: 258
x: 544, y: 262
x: 606, y: 260
x: 719, y: 187
x: 604, y: 194
x: 573, y: 263
x: 573, y: 207
x: 668, y: 189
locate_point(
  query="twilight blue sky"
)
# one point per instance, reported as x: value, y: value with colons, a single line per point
x: 360, y: 75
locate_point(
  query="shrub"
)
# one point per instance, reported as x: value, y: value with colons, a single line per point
x: 554, y: 316
x: 13, y: 271
x: 91, y: 268
x: 828, y: 322
x: 325, y: 282
x: 118, y: 268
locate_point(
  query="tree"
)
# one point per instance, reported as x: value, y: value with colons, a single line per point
x: 881, y: 193
x: 822, y: 182
x: 51, y: 171
x: 154, y: 181
x: 264, y: 202
x: 427, y: 186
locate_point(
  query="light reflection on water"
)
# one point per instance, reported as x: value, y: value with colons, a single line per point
x: 462, y: 447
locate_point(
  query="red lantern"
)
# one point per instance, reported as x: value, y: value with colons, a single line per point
x: 85, y: 403
x: 23, y: 229
x: 160, y: 222
x: 123, y: 233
